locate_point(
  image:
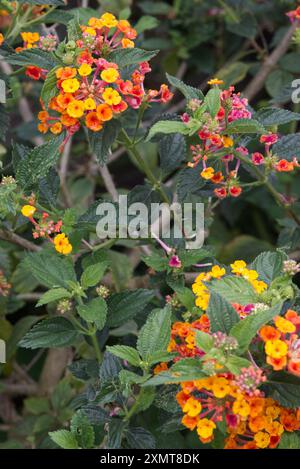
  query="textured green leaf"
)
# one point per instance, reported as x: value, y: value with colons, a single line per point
x: 203, y: 341
x: 33, y: 56
x: 155, y: 334
x: 246, y: 329
x: 139, y: 438
x: 167, y: 127
x: 172, y: 151
x: 53, y: 295
x: 126, y: 305
x: 285, y: 388
x: 213, y: 101
x: 93, y: 274
x: 289, y: 441
x: 101, y: 142
x: 126, y: 57
x: 95, y: 311
x: 49, y: 89
x: 245, y: 126
x: 234, y: 364
x: 288, y: 146
x: 276, y: 116
x: 49, y: 333
x: 125, y: 353
x: 82, y: 430
x: 116, y: 428
x: 38, y: 161
x: 64, y: 438
x: 234, y: 290
x: 269, y: 265
x: 50, y: 269
x: 188, y: 91
x: 221, y: 314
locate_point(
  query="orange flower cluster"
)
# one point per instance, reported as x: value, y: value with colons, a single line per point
x: 92, y: 90
x: 282, y: 343
x: 183, y: 337
x: 252, y: 422
x: 47, y: 228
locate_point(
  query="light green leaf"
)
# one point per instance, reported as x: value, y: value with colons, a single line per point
x: 50, y: 270
x: 213, y: 101
x: 167, y: 127
x: 95, y: 312
x: 203, y: 341
x: 53, y: 295
x: 269, y: 265
x: 155, y: 334
x: 245, y: 126
x: 234, y: 290
x: 93, y: 274
x: 188, y: 91
x: 64, y: 438
x: 125, y: 353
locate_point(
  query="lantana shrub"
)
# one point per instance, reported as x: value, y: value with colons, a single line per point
x: 149, y: 343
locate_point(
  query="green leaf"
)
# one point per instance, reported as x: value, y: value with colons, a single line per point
x: 172, y: 152
x: 126, y: 305
x: 245, y: 126
x: 221, y: 314
x: 285, y: 388
x: 167, y: 127
x: 125, y: 353
x: 38, y: 161
x: 49, y: 333
x: 233, y: 73
x: 53, y: 295
x: 269, y: 265
x: 93, y: 274
x: 101, y: 142
x: 234, y: 364
x: 145, y: 23
x: 186, y: 369
x: 50, y: 270
x: 40, y: 2
x: 4, y: 121
x: 246, y: 329
x: 82, y: 430
x: 155, y: 334
x: 116, y: 428
x: 159, y: 356
x: 126, y: 57
x: 203, y: 341
x: 144, y: 400
x: 288, y: 146
x: 276, y: 116
x: 95, y: 311
x: 156, y: 261
x: 189, y: 184
x: 186, y: 297
x: 289, y: 441
x: 139, y: 438
x: 193, y: 256
x: 188, y: 91
x: 49, y: 89
x: 37, y: 405
x: 33, y: 56
x: 64, y: 438
x: 234, y: 290
x: 73, y: 29
x: 18, y: 332
x: 213, y: 101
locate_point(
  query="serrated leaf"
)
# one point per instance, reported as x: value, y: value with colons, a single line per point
x: 116, y: 428
x: 145, y: 23
x: 245, y: 126
x: 49, y: 333
x: 139, y: 438
x: 156, y: 261
x: 288, y: 146
x: 101, y: 142
x: 50, y: 270
x: 82, y: 430
x: 73, y: 29
x: 38, y: 161
x: 53, y: 295
x: 95, y: 311
x: 189, y: 183
x: 221, y: 314
x: 285, y: 388
x: 172, y: 152
x: 167, y: 127
x: 93, y: 274
x: 49, y: 89
x: 289, y: 441
x: 234, y: 364
x: 64, y: 438
x: 186, y: 369
x: 126, y: 305
x: 269, y: 265
x: 155, y: 334
x: 246, y: 329
x: 126, y: 57
x: 189, y: 92
x: 276, y: 116
x: 125, y: 353
x: 234, y: 289
x: 34, y: 56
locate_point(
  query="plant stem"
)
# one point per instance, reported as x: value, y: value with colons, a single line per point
x: 96, y: 347
x: 132, y: 150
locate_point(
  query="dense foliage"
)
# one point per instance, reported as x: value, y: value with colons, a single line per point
x: 123, y: 342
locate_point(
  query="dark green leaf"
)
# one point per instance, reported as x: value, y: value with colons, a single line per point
x: 101, y: 142
x: 49, y: 333
x: 126, y: 57
x: 126, y: 305
x: 188, y: 91
x: 221, y: 314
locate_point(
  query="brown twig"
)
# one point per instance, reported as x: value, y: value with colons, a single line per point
x: 269, y: 63
x: 109, y: 182
x: 16, y: 239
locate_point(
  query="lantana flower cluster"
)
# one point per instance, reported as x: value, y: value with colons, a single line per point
x: 91, y: 88
x: 253, y: 421
x: 47, y: 228
x: 282, y: 342
x: 219, y: 155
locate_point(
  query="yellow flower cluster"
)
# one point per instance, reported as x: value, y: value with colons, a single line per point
x: 240, y: 268
x: 200, y: 289
x: 62, y: 244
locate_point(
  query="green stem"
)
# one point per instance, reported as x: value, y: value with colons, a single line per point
x: 96, y: 347
x: 132, y: 150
